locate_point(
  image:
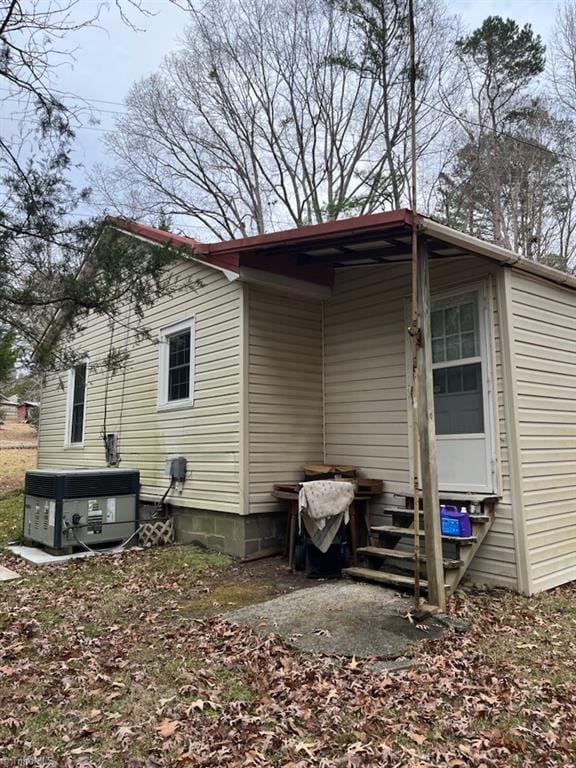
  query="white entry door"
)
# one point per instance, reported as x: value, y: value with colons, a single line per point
x: 462, y: 393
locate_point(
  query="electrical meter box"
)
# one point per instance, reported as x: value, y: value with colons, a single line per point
x: 66, y: 508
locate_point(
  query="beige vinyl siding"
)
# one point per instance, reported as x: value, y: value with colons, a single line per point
x: 496, y: 561
x: 207, y: 433
x: 544, y: 336
x: 284, y: 391
x: 366, y: 389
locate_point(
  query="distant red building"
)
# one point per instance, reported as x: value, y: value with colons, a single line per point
x: 23, y: 411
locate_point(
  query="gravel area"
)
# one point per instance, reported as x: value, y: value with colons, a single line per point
x: 342, y: 618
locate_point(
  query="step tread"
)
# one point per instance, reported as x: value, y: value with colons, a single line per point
x: 410, y: 513
x: 449, y: 496
x: 397, y: 530
x: 399, y: 555
x: 382, y: 576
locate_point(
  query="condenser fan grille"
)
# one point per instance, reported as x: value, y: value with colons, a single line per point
x: 77, y: 485
x: 41, y: 485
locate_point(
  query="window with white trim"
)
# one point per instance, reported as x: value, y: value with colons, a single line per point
x: 457, y: 365
x: 176, y: 365
x: 77, y: 404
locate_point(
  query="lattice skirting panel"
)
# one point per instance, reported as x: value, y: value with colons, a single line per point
x: 155, y: 533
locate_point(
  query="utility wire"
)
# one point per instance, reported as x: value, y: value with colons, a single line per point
x: 443, y: 111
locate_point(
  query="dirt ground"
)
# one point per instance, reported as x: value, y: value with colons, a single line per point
x: 15, y: 461
x: 14, y: 432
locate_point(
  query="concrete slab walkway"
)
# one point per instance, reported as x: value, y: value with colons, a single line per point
x: 342, y: 618
x: 8, y: 575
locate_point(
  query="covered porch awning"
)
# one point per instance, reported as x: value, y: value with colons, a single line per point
x: 313, y: 253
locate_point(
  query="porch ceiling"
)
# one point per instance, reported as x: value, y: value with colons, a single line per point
x: 316, y: 250
x: 313, y: 253
x: 391, y: 248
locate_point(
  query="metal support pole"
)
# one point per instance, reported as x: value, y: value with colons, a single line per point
x: 414, y: 326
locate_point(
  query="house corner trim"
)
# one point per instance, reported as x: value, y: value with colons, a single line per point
x: 523, y: 569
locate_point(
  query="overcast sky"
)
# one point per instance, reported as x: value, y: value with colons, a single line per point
x: 109, y: 60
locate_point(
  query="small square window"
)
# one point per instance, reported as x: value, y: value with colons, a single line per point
x: 176, y: 365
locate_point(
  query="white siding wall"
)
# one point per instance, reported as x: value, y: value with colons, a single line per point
x: 284, y: 391
x: 544, y: 331
x: 366, y: 395
x: 208, y: 433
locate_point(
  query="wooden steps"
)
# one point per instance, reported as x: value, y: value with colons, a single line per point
x: 383, y: 577
x: 409, y: 513
x: 369, y: 574
x: 397, y: 530
x: 394, y: 567
x: 397, y: 554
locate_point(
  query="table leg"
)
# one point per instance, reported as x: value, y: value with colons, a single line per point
x: 367, y: 522
x: 292, y: 523
x: 353, y: 533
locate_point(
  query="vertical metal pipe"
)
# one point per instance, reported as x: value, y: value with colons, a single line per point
x: 415, y: 325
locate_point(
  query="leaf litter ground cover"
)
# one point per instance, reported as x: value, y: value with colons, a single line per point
x: 125, y: 661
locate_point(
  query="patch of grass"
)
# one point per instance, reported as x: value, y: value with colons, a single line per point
x: 14, y: 463
x: 227, y: 597
x: 192, y: 558
x: 11, y: 517
x: 234, y: 687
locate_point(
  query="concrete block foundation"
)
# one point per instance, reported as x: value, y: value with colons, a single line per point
x: 237, y: 535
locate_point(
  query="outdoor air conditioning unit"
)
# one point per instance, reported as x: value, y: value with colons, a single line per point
x: 66, y: 508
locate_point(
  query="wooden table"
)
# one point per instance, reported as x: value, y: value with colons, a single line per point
x: 289, y: 492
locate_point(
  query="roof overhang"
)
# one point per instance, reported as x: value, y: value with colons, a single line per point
x: 311, y: 255
x: 473, y: 245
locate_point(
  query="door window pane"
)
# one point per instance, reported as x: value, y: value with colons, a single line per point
x: 453, y: 348
x: 452, y: 318
x: 438, y: 350
x: 458, y: 401
x: 468, y: 345
x: 455, y: 329
x: 467, y: 317
x: 437, y: 322
x: 454, y: 379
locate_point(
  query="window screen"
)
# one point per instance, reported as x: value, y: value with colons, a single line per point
x: 78, y: 403
x: 179, y: 366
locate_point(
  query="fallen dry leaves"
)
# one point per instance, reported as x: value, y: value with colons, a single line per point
x: 115, y: 663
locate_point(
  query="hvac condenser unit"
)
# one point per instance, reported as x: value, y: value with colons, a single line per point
x: 64, y: 509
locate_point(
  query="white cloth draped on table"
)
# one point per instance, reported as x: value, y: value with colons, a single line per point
x: 322, y: 505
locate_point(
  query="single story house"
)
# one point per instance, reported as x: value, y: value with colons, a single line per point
x: 292, y: 347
